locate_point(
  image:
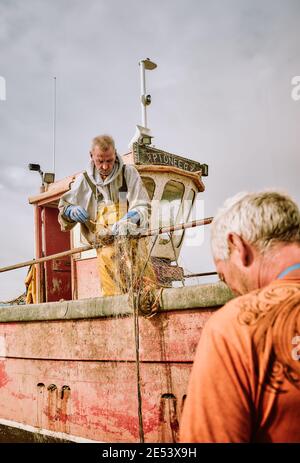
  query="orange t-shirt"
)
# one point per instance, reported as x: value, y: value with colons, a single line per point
x: 245, y: 381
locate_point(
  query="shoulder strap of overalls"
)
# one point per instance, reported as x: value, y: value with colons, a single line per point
x: 91, y: 184
x: 123, y: 190
x: 124, y: 183
x: 93, y: 187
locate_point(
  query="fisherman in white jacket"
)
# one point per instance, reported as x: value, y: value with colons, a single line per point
x: 108, y: 198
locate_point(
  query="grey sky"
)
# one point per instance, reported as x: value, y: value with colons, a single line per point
x: 221, y: 95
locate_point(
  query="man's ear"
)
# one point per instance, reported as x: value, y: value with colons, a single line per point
x: 242, y: 247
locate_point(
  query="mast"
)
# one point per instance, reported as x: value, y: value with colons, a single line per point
x: 143, y: 134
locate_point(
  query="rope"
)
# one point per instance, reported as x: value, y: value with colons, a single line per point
x: 134, y: 302
x: 203, y: 274
x: 135, y: 299
x: 137, y: 362
x: 140, y: 281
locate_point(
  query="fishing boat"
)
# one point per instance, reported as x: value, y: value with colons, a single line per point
x: 78, y: 367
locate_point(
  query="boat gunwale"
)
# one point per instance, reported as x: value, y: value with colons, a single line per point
x: 205, y: 296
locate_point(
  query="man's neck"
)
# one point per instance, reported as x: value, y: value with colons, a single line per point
x: 97, y: 175
x: 277, y: 260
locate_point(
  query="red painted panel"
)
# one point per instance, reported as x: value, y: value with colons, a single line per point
x: 87, y: 278
x: 58, y: 271
x: 95, y: 400
x: 171, y: 336
x: 79, y: 376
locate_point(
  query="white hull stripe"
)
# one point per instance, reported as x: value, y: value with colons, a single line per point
x: 46, y: 432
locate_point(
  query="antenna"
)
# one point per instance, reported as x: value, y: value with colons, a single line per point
x: 54, y: 123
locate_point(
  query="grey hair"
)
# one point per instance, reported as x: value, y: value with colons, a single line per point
x: 263, y: 219
x: 104, y: 142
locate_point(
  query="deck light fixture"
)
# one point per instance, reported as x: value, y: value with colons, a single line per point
x: 47, y: 177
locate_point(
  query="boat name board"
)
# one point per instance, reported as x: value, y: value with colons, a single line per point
x: 152, y: 156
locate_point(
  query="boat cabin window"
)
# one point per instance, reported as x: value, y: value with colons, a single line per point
x: 149, y: 185
x: 183, y: 217
x: 169, y: 207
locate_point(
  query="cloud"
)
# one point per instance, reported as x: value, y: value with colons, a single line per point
x: 221, y: 93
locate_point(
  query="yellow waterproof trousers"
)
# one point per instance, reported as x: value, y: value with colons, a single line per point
x: 121, y: 265
x: 30, y: 283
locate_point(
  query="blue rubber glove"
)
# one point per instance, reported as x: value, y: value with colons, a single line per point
x: 131, y: 216
x: 76, y: 213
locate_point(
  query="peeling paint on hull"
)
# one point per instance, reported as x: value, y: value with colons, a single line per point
x: 77, y: 377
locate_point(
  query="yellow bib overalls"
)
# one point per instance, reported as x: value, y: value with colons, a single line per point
x: 121, y: 265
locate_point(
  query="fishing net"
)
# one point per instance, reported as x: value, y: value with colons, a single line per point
x: 125, y: 265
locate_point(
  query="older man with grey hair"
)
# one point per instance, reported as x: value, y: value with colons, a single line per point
x: 245, y: 382
x: 109, y: 199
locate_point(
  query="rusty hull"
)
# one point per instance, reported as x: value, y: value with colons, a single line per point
x: 68, y: 370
